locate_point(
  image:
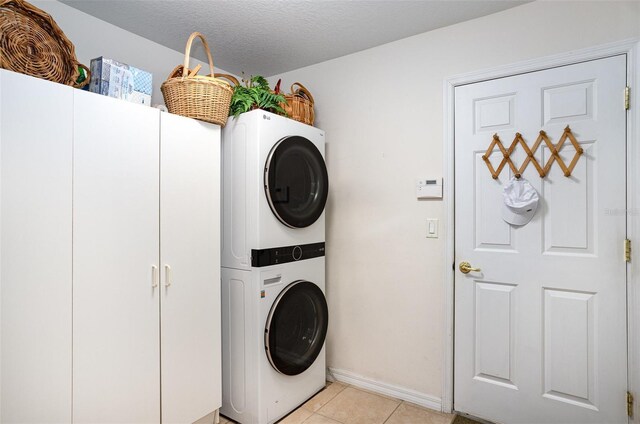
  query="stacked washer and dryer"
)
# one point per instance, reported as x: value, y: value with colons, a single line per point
x: 274, y: 311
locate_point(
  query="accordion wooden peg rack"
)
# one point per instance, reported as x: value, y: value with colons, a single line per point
x: 543, y: 171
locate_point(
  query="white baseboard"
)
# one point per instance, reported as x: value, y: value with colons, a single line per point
x: 386, y: 389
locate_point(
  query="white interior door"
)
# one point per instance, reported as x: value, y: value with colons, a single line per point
x: 36, y: 249
x: 116, y: 341
x: 540, y: 331
x: 190, y: 248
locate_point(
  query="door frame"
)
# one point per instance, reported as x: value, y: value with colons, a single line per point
x: 628, y: 47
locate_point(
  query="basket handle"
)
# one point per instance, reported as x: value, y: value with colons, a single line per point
x: 187, y: 53
x: 231, y: 78
x: 302, y: 91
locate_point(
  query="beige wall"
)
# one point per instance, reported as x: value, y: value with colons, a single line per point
x: 93, y: 38
x: 382, y: 110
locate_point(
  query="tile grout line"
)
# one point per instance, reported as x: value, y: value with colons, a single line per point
x: 323, y: 405
x: 330, y: 418
x: 400, y: 402
x: 313, y: 413
x: 301, y: 409
x: 393, y: 412
x: 329, y: 400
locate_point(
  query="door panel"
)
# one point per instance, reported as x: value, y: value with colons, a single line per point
x: 494, y: 315
x: 494, y: 113
x: 574, y: 235
x: 116, y: 338
x: 190, y: 246
x: 36, y: 250
x: 569, y: 346
x: 540, y: 331
x: 491, y: 232
x: 572, y: 101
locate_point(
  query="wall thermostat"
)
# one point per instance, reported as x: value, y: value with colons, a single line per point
x: 429, y: 188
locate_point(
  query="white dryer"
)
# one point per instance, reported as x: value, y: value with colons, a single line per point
x: 275, y: 186
x: 274, y: 324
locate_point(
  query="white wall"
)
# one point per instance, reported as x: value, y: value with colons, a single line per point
x: 382, y: 110
x: 93, y: 38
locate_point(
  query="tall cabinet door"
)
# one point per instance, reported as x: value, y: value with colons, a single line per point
x: 35, y: 323
x: 116, y: 357
x: 190, y: 258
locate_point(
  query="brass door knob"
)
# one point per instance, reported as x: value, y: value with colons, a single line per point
x: 465, y: 268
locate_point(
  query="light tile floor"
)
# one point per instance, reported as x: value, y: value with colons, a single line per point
x: 342, y: 404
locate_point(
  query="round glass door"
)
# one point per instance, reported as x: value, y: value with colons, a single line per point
x: 296, y: 328
x: 296, y: 182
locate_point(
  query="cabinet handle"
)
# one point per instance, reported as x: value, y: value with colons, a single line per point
x: 168, y: 276
x: 154, y: 276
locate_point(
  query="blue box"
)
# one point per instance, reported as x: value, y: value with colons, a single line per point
x: 121, y: 81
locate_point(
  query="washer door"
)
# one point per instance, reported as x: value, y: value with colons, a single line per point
x: 296, y: 182
x: 296, y: 328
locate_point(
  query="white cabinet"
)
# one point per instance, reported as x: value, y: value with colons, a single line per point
x: 110, y: 270
x: 35, y: 250
x: 190, y: 286
x: 116, y: 332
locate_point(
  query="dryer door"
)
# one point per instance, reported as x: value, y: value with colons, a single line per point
x: 296, y: 328
x: 296, y: 182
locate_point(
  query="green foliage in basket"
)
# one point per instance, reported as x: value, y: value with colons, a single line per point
x: 255, y: 94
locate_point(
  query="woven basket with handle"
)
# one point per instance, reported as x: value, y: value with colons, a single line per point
x: 186, y: 93
x: 177, y: 72
x: 299, y: 105
x: 32, y: 43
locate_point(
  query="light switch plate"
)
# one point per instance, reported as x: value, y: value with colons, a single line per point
x: 432, y: 228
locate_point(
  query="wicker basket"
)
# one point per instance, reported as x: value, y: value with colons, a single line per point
x: 231, y: 78
x: 186, y: 93
x: 177, y: 72
x: 299, y: 105
x: 32, y: 43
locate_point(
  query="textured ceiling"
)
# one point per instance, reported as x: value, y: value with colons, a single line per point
x: 269, y: 37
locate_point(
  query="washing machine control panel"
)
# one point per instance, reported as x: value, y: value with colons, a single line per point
x: 282, y: 255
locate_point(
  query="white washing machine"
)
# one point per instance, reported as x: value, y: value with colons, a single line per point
x: 274, y: 323
x: 275, y: 187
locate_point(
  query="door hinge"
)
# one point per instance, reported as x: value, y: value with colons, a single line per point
x: 629, y: 404
x: 627, y: 97
x: 627, y: 250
